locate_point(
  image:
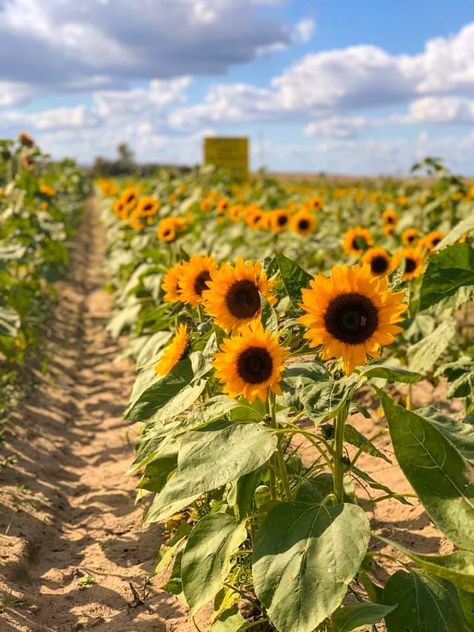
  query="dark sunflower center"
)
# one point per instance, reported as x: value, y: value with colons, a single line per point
x: 436, y: 241
x: 303, y: 224
x: 379, y: 264
x: 359, y: 243
x: 167, y: 232
x: 282, y: 220
x: 255, y: 365
x: 410, y: 238
x: 147, y: 207
x: 351, y: 318
x: 200, y: 283
x: 410, y: 264
x: 390, y: 219
x: 243, y: 299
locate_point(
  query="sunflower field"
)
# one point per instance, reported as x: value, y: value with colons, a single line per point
x: 40, y: 204
x: 266, y: 319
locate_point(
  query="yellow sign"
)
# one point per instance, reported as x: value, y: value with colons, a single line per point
x: 228, y: 152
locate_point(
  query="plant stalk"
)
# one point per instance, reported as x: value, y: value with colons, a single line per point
x: 338, y: 451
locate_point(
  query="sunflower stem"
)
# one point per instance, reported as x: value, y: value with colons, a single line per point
x: 341, y: 418
x: 279, y: 459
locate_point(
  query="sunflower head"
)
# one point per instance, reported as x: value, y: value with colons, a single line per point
x: 412, y: 259
x: 379, y: 261
x: 279, y: 220
x: 170, y: 283
x: 195, y: 277
x: 356, y: 241
x: 250, y: 363
x: 130, y: 197
x: 174, y: 352
x: 233, y: 296
x: 168, y: 228
x: 206, y: 204
x: 134, y: 219
x: 410, y: 236
x: 432, y: 239
x: 255, y: 217
x: 117, y: 207
x: 352, y: 314
x: 314, y: 203
x: 223, y: 206
x: 390, y: 217
x: 148, y: 206
x: 303, y: 222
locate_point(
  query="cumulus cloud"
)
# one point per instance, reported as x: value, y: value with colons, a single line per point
x: 438, y: 110
x: 62, y: 44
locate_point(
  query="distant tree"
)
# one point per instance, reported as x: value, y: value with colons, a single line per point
x: 126, y: 159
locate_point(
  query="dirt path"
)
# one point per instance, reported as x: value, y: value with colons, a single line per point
x: 71, y: 540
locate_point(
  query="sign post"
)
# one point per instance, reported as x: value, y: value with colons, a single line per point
x: 228, y: 152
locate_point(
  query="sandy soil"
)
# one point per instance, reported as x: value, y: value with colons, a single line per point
x: 73, y: 552
x: 71, y: 540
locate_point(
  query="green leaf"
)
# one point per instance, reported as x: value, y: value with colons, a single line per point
x: 464, y: 226
x: 457, y: 567
x: 176, y: 384
x: 441, y: 477
x: 304, y: 558
x: 207, y: 557
x: 357, y: 439
x: 447, y: 271
x: 459, y: 433
x: 424, y: 354
x: 229, y: 621
x: 294, y: 278
x: 358, y: 616
x: 466, y: 600
x: 425, y: 604
x: 322, y: 400
x: 391, y: 373
x: 9, y: 322
x: 209, y: 459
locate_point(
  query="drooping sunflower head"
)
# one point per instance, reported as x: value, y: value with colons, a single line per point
x: 379, y: 261
x: 357, y: 240
x: 250, y: 363
x: 279, y: 220
x: 174, y: 352
x: 303, y: 222
x: 233, y: 296
x: 412, y: 259
x: 352, y: 314
x: 170, y: 284
x: 410, y: 236
x: 390, y: 217
x: 148, y: 206
x: 134, y: 220
x: 195, y: 277
x: 432, y: 239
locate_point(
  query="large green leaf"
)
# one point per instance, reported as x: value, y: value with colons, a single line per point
x: 423, y: 355
x: 457, y: 567
x: 9, y: 322
x: 304, y: 558
x: 322, y: 400
x: 442, y: 478
x: 425, y: 604
x: 207, y: 557
x: 209, y: 459
x: 294, y: 278
x: 359, y: 616
x: 447, y: 271
x: 459, y: 433
x: 176, y: 386
x: 391, y: 373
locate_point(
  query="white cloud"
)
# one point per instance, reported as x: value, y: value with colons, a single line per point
x: 304, y: 30
x: 438, y: 110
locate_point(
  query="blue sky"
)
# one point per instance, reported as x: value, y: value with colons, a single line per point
x: 359, y: 87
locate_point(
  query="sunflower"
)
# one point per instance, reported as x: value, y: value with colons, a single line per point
x: 174, y: 352
x: 303, y: 222
x: 130, y: 197
x: 250, y: 363
x: 233, y: 294
x: 352, y: 314
x: 235, y: 212
x: 314, y: 203
x: 389, y: 230
x: 148, y: 206
x: 410, y: 236
x: 413, y: 261
x: 170, y: 283
x: 356, y: 241
x: 279, y: 220
x: 195, y: 277
x: 134, y: 219
x: 431, y: 240
x: 206, y: 204
x: 390, y: 217
x: 167, y: 230
x: 117, y: 207
x: 255, y: 217
x: 222, y: 206
x: 379, y: 260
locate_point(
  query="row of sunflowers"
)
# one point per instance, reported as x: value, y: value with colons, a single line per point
x: 40, y: 203
x: 264, y: 316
